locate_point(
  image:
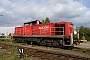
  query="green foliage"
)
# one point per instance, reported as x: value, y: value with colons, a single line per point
x: 43, y: 22
x: 47, y: 20
x: 5, y: 40
x: 85, y: 30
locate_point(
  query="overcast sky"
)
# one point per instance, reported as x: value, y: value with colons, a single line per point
x: 16, y: 12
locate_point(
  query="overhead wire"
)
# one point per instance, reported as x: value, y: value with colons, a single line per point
x: 4, y: 2
x: 19, y: 4
x: 15, y: 6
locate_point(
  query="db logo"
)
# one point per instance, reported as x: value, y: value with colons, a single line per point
x: 44, y: 27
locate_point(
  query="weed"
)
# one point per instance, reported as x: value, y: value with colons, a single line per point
x: 11, y: 55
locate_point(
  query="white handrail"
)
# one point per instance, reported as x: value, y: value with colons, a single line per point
x: 58, y: 31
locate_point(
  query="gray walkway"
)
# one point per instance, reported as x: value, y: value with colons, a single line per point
x: 84, y: 45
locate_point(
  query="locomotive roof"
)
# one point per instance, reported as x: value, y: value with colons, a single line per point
x: 31, y: 22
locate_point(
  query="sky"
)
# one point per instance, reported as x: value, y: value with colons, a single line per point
x: 7, y: 30
x: 16, y: 12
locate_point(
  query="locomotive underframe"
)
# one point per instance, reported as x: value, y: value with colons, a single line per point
x: 57, y: 41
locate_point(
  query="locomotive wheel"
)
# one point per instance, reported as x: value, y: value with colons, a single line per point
x: 55, y: 43
x: 41, y: 42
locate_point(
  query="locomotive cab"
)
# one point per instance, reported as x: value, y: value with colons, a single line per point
x: 37, y: 22
x: 68, y: 31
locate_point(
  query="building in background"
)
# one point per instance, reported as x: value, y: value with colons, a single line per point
x: 5, y: 31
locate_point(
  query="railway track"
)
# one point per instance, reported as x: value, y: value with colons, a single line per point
x: 41, y: 54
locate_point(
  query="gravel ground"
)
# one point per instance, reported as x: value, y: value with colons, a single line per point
x: 57, y: 50
x: 84, y: 45
x: 3, y: 50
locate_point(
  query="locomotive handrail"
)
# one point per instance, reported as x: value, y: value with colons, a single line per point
x: 57, y: 31
x: 51, y: 31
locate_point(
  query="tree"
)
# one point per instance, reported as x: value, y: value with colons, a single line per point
x: 43, y: 21
x: 85, y: 30
x: 47, y: 20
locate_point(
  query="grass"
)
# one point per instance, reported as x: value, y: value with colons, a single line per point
x: 11, y: 41
x: 11, y: 55
x: 6, y: 40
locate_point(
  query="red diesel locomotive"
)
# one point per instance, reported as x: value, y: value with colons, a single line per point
x: 55, y: 34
